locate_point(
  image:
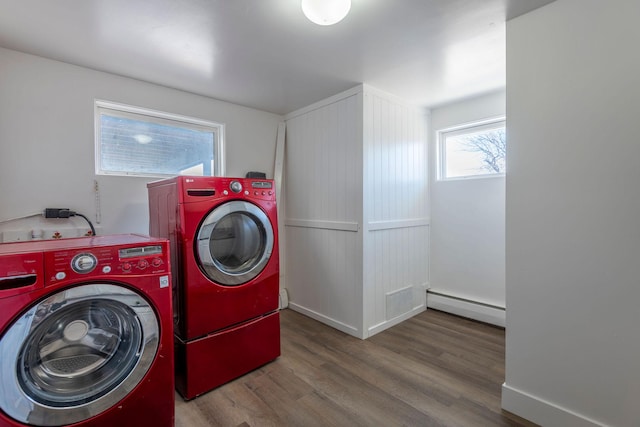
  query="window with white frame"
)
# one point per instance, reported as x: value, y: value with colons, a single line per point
x: 473, y: 150
x: 140, y: 142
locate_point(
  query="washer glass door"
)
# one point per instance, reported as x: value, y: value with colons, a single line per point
x: 234, y: 243
x: 76, y: 354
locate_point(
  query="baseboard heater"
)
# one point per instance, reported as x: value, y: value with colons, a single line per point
x: 477, y: 310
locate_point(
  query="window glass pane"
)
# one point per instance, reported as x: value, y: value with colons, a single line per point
x: 473, y: 152
x: 136, y: 141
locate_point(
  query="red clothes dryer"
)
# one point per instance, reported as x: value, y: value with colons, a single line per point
x: 86, y: 332
x: 223, y: 233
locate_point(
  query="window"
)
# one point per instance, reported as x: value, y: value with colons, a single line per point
x: 473, y: 151
x: 140, y: 142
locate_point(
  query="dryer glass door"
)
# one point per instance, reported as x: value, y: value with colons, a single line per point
x: 234, y: 243
x: 76, y: 354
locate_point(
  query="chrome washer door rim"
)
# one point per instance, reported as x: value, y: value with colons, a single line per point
x: 211, y: 266
x: 42, y: 406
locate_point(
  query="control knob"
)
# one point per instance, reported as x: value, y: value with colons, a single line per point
x: 235, y: 186
x: 84, y: 263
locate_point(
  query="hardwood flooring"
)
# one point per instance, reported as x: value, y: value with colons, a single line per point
x: 434, y: 369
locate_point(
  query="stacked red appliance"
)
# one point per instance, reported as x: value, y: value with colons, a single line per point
x: 224, y: 247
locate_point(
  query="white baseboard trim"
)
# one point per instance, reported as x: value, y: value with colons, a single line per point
x: 392, y: 322
x: 542, y: 412
x: 461, y: 307
x: 347, y: 329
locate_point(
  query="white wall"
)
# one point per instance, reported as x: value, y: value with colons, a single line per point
x: 573, y: 212
x: 468, y: 222
x: 47, y: 139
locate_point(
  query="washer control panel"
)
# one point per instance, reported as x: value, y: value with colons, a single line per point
x: 141, y: 259
x: 106, y: 261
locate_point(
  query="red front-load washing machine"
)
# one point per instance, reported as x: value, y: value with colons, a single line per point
x: 223, y: 233
x: 86, y: 332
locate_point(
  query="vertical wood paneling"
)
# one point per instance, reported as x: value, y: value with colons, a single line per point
x: 396, y: 189
x: 323, y: 158
x: 322, y: 163
x: 360, y: 159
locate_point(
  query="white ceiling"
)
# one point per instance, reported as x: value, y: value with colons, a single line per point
x: 265, y: 54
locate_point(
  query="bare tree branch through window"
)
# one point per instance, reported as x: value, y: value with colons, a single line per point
x: 473, y: 151
x: 492, y: 146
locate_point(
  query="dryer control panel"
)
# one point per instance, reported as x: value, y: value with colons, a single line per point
x: 197, y: 189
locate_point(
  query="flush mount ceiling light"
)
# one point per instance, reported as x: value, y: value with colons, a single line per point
x: 326, y: 12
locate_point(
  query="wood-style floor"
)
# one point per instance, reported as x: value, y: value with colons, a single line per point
x: 432, y: 370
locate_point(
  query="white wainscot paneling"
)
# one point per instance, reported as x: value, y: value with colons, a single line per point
x: 398, y: 273
x: 324, y: 274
